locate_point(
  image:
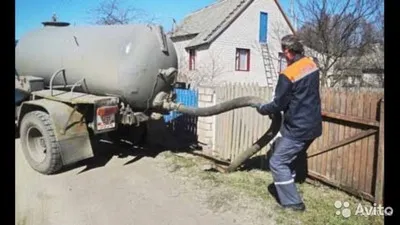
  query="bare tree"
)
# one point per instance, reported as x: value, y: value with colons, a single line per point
x: 206, y: 71
x: 335, y: 30
x: 212, y: 67
x: 110, y: 12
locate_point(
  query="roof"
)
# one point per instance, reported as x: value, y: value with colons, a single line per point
x: 373, y: 59
x: 209, y: 22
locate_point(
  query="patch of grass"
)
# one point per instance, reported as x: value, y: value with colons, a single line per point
x: 209, y: 177
x: 220, y: 201
x: 251, y: 183
x: 183, y: 162
x: 319, y: 199
x: 321, y: 210
x: 178, y: 161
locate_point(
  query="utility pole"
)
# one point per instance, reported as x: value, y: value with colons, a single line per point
x: 293, y: 14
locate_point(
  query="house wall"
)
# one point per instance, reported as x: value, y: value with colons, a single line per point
x: 364, y: 80
x: 373, y: 79
x: 183, y: 56
x: 215, y: 64
x: 196, y: 76
x: 244, y: 33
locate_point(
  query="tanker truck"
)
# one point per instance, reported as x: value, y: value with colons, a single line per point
x: 77, y: 82
x: 74, y: 83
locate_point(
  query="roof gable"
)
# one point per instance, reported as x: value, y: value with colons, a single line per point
x: 212, y: 20
x: 202, y: 19
x: 373, y: 59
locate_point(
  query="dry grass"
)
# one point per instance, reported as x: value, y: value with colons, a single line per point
x: 240, y: 191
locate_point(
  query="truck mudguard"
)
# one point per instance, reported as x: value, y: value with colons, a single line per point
x: 69, y: 126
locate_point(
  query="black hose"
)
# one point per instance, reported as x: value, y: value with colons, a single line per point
x: 222, y: 107
x: 259, y: 144
x: 231, y: 105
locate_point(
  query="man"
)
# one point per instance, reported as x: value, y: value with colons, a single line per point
x: 297, y: 96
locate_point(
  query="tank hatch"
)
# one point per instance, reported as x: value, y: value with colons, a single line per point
x: 55, y: 23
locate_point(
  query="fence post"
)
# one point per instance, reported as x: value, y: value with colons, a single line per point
x: 205, y: 125
x: 379, y: 182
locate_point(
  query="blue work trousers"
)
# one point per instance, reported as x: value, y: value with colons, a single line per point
x: 285, y: 152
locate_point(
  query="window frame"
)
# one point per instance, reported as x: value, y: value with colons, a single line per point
x: 192, y: 59
x: 237, y: 59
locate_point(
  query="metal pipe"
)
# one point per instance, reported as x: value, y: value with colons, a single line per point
x: 54, y: 76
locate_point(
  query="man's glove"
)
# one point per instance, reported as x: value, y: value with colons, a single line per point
x: 259, y: 109
x: 271, y: 116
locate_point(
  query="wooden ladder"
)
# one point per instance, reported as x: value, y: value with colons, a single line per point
x: 269, y: 67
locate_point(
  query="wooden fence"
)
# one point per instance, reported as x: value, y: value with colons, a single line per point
x: 238, y: 129
x: 348, y: 155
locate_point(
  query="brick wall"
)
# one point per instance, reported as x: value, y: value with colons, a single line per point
x: 206, y: 125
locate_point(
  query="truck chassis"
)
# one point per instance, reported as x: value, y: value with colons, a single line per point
x: 55, y: 126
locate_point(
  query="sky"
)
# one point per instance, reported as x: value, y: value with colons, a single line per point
x: 30, y: 14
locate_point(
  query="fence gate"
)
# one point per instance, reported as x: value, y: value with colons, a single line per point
x: 348, y: 154
x: 184, y: 126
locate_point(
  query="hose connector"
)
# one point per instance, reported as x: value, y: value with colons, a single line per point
x: 160, y: 99
x: 171, y: 106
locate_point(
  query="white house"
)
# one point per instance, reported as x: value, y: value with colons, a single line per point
x: 366, y: 70
x: 231, y: 41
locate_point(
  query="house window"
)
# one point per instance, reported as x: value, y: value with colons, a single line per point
x: 242, y: 59
x: 192, y: 59
x: 282, y: 62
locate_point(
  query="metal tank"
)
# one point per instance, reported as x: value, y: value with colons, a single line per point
x: 118, y: 60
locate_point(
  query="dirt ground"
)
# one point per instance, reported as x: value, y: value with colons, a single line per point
x: 137, y: 186
x: 116, y: 187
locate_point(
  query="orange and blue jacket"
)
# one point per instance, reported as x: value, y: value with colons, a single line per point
x: 297, y: 95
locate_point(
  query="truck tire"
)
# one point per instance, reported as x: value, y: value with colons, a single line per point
x: 39, y: 143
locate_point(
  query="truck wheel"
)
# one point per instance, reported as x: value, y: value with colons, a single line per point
x: 39, y: 143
